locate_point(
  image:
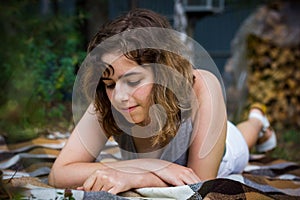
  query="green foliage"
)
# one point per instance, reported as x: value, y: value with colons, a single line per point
x: 288, y: 145
x: 291, y: 136
x: 39, y: 54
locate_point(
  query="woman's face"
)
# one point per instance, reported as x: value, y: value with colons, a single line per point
x: 128, y: 88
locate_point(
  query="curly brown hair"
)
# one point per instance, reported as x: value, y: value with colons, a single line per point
x: 177, y: 106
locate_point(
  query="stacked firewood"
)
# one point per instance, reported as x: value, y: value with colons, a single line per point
x: 274, y: 79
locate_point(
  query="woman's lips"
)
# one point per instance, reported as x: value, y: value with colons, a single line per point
x: 130, y: 109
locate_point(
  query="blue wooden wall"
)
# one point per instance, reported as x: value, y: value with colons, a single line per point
x: 213, y: 32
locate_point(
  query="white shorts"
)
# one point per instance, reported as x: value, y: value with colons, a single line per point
x: 237, y: 153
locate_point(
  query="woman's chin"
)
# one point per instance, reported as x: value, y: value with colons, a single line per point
x: 138, y: 122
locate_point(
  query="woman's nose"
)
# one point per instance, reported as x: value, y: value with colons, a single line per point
x: 121, y: 93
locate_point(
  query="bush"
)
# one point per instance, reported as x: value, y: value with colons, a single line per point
x: 39, y: 55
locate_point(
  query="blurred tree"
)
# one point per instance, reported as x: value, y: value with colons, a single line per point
x: 40, y: 49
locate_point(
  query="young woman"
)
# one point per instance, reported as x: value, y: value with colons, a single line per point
x: 168, y: 117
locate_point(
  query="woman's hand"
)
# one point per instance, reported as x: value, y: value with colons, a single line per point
x: 110, y: 180
x: 116, y: 180
x: 169, y: 173
x: 177, y: 175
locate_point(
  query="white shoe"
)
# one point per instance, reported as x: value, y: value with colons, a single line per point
x: 263, y: 144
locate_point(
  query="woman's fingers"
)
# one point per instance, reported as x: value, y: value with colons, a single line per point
x: 178, y: 175
x: 80, y: 188
x: 178, y: 182
x: 191, y: 180
x: 100, y: 181
x: 114, y: 190
x: 191, y: 177
x: 103, y: 183
x: 89, y: 183
x: 98, y: 185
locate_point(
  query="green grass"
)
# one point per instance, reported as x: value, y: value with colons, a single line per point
x: 288, y: 145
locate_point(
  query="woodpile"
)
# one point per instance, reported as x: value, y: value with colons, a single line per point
x: 274, y: 79
x: 273, y: 55
x: 265, y: 65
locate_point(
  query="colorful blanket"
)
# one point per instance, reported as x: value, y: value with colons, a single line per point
x: 25, y: 167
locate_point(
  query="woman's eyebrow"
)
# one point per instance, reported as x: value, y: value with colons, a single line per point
x: 123, y: 75
x: 108, y: 70
x: 106, y: 78
x: 129, y: 74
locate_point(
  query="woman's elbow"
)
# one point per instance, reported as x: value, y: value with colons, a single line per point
x: 54, y: 179
x: 51, y: 181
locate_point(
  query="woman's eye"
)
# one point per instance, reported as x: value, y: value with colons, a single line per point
x: 133, y: 83
x: 110, y: 86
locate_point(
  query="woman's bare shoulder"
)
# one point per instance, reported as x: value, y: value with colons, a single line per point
x: 201, y: 75
x: 206, y: 81
x: 206, y: 87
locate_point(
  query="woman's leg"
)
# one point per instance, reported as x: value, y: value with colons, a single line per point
x: 252, y: 127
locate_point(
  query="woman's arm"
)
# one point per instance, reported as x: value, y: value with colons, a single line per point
x: 209, y: 126
x: 75, y: 164
x: 168, y: 172
x: 76, y: 160
x: 122, y: 179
